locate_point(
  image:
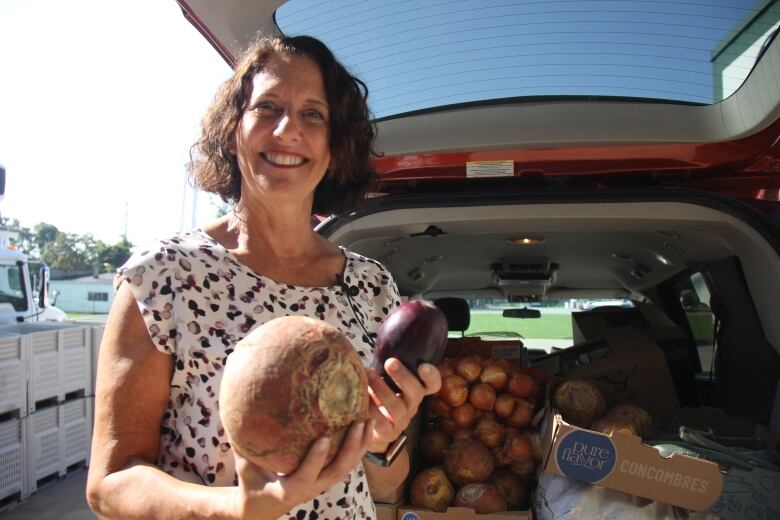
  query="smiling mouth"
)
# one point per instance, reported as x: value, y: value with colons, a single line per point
x: 283, y: 160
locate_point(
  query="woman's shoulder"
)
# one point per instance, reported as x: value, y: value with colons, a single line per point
x: 182, y: 249
x: 365, y: 265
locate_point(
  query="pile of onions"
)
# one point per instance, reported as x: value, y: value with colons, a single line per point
x: 480, y: 435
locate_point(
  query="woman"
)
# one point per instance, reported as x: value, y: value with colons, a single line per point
x: 287, y: 133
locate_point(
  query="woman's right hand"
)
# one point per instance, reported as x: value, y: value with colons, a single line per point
x: 256, y: 485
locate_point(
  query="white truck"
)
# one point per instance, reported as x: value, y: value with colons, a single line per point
x: 24, y: 290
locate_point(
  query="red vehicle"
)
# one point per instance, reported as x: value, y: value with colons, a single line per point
x: 570, y: 197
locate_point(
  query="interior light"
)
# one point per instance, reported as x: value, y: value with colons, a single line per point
x: 527, y: 240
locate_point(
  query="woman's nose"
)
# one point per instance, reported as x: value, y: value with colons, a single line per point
x: 286, y: 127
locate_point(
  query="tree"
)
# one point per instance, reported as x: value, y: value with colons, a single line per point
x: 65, y: 253
x: 24, y: 240
x: 43, y: 234
x: 114, y: 255
x: 68, y: 251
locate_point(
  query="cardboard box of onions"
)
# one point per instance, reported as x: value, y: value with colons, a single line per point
x: 478, y: 451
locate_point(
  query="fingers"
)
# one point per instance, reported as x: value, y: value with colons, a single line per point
x: 354, y: 447
x: 430, y: 377
x: 315, y: 459
x: 413, y: 387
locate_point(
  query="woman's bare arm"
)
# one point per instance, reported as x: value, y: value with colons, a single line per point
x: 132, y: 391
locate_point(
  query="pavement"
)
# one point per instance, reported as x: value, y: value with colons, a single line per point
x: 63, y: 500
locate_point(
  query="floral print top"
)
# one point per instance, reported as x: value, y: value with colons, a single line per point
x: 197, y: 300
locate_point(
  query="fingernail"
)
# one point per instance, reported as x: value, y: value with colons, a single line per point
x: 359, y: 429
x: 394, y: 365
x: 323, y: 443
x: 371, y: 424
x: 426, y: 369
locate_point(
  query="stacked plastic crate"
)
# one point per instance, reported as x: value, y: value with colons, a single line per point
x: 13, y: 413
x: 55, y: 405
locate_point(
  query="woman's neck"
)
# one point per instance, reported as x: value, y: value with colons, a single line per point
x: 284, y: 234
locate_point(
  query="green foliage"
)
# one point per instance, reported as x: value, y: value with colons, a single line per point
x: 43, y: 234
x: 68, y: 251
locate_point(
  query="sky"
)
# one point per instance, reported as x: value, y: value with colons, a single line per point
x: 100, y: 102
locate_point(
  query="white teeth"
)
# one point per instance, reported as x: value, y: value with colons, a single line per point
x: 284, y: 160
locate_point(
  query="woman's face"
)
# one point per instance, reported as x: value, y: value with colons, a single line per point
x: 282, y: 137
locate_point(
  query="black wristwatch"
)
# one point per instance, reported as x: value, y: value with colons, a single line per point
x: 391, y: 453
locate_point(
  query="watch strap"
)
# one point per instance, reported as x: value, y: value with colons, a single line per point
x: 390, y: 454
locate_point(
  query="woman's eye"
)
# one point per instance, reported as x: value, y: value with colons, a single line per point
x: 266, y: 106
x: 314, y: 115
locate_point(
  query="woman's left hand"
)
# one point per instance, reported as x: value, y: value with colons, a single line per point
x: 393, y: 412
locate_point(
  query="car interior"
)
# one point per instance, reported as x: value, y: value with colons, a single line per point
x: 646, y: 247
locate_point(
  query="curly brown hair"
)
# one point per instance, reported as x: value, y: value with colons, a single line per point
x: 214, y: 168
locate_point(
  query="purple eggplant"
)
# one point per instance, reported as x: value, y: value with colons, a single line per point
x: 414, y: 333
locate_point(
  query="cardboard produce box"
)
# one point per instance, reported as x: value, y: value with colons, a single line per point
x: 591, y: 325
x: 456, y: 348
x: 386, y: 511
x: 459, y: 513
x: 620, y: 461
x: 628, y: 367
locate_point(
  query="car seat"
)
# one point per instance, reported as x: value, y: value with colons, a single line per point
x: 457, y: 312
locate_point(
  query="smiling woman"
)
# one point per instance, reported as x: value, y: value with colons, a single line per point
x: 289, y: 132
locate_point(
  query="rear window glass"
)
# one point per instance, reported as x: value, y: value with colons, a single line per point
x: 420, y: 55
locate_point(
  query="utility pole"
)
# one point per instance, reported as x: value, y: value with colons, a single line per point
x: 124, y: 237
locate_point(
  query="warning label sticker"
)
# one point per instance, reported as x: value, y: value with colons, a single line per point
x: 490, y: 169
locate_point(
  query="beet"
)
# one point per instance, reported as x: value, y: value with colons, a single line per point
x: 414, y: 333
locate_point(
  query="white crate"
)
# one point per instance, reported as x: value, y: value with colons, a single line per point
x: 13, y: 374
x: 59, y: 360
x: 76, y: 361
x: 44, y: 355
x: 44, y: 446
x: 13, y: 458
x: 76, y: 422
x: 96, y: 337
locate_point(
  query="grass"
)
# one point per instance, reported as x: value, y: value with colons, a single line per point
x: 701, y: 325
x: 81, y: 315
x: 552, y: 326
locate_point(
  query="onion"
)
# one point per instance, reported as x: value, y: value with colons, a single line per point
x: 454, y: 391
x: 522, y: 414
x: 522, y: 385
x: 469, y: 367
x: 437, y: 407
x: 495, y: 375
x: 482, y: 396
x: 464, y: 415
x: 489, y: 432
x: 446, y: 367
x: 504, y: 406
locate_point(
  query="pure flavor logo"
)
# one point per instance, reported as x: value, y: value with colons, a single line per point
x: 410, y: 516
x: 587, y: 457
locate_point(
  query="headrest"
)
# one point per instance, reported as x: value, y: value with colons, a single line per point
x: 456, y: 310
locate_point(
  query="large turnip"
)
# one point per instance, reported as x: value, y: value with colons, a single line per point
x: 289, y: 382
